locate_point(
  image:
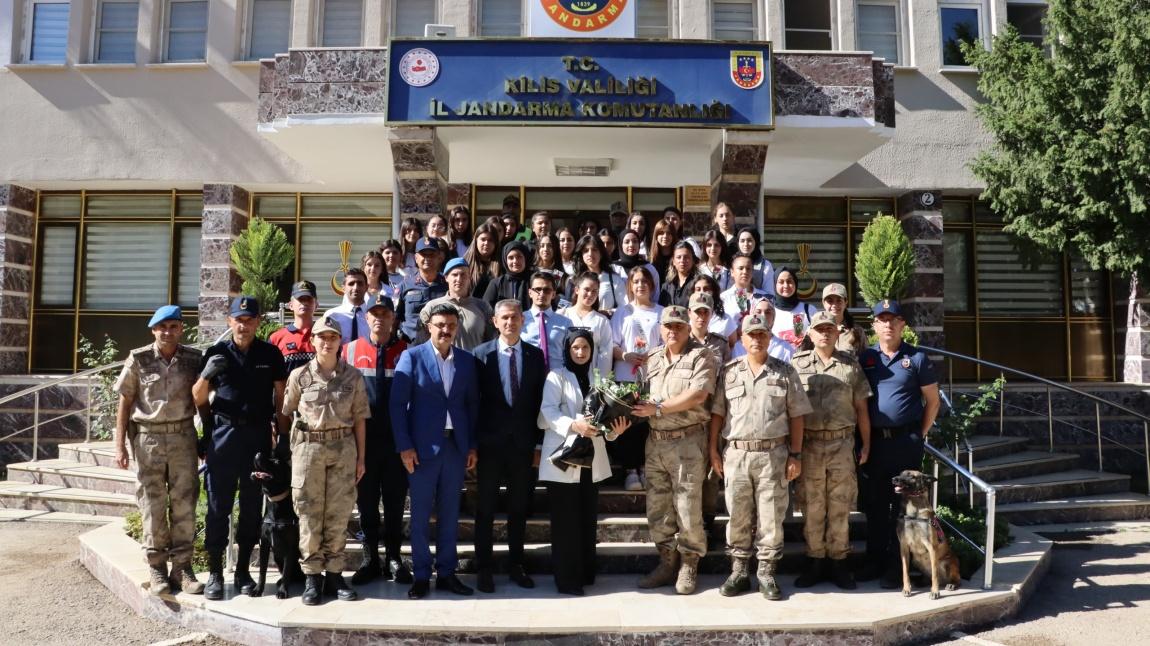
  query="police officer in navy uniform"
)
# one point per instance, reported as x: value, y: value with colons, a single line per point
x: 422, y: 286
x: 248, y: 376
x: 902, y: 410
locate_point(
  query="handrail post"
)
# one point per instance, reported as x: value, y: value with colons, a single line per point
x: 957, y: 479
x: 1050, y: 418
x: 970, y: 468
x: 1001, y: 405
x: 88, y: 426
x: 1146, y: 450
x: 950, y: 376
x: 36, y: 426
x: 1098, y: 429
x: 988, y: 568
x: 934, y: 485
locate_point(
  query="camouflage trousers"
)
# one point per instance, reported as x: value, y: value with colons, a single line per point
x: 675, y: 472
x: 323, y: 496
x: 166, y: 490
x: 712, y: 487
x: 757, y: 497
x: 829, y: 487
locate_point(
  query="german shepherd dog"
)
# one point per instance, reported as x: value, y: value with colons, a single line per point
x: 920, y: 535
x: 280, y: 534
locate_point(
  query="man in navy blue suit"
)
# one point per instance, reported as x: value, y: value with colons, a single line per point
x: 512, y: 373
x: 434, y: 407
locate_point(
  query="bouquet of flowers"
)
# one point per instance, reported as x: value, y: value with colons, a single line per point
x: 607, y: 401
x: 795, y: 335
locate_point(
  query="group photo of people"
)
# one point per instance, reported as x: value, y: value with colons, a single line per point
x: 482, y: 356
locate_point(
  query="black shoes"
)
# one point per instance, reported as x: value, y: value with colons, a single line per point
x: 519, y: 575
x: 451, y: 583
x: 841, y: 575
x: 814, y: 572
x: 399, y: 572
x: 891, y: 579
x: 312, y: 586
x: 335, y: 586
x: 575, y: 591
x: 871, y: 571
x: 371, y: 568
x: 243, y: 578
x: 485, y: 581
x: 419, y: 589
x: 214, y: 590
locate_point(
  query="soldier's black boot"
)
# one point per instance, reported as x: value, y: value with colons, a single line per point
x: 841, y: 574
x: 312, y: 586
x: 739, y: 581
x: 768, y: 586
x: 371, y: 568
x: 813, y: 573
x: 243, y: 578
x: 214, y: 590
x: 335, y: 586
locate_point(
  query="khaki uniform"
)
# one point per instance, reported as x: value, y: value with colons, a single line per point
x: 676, y: 454
x: 163, y: 441
x: 757, y: 429
x: 852, y: 340
x: 721, y: 349
x: 829, y: 485
x: 323, y: 459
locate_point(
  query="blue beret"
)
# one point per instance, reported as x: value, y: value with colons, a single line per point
x: 244, y: 305
x: 887, y: 306
x: 453, y: 263
x: 166, y: 313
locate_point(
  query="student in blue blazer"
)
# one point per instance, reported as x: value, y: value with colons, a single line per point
x: 434, y: 407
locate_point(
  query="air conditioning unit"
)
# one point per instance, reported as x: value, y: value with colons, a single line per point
x: 439, y: 31
x: 582, y: 167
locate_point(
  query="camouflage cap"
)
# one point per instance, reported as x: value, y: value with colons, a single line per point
x: 755, y: 323
x: 835, y: 289
x: 702, y: 300
x: 326, y: 323
x: 823, y: 318
x: 674, y: 314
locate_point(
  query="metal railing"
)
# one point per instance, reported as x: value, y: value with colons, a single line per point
x: 987, y: 550
x: 1098, y: 404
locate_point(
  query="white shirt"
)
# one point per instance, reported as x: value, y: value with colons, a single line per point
x: 447, y: 374
x: 730, y: 299
x: 787, y: 320
x: 634, y: 329
x: 504, y: 358
x: 343, y: 314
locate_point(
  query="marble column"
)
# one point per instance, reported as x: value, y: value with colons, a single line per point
x: 420, y: 172
x: 17, y: 230
x: 1136, y: 357
x: 740, y: 178
x: 225, y: 217
x: 459, y: 195
x: 920, y: 213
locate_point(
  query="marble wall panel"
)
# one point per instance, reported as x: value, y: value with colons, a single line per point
x: 419, y: 195
x: 18, y: 197
x: 928, y: 256
x: 220, y: 279
x: 267, y: 75
x: 823, y: 101
x: 17, y: 223
x: 337, y: 66
x: 459, y: 195
x: 215, y: 251
x: 223, y: 219
x: 884, y: 110
x: 336, y: 98
x: 744, y: 159
x: 14, y: 362
x: 15, y: 251
x: 13, y: 307
x: 228, y: 195
x: 414, y: 155
x: 824, y: 69
x: 15, y: 280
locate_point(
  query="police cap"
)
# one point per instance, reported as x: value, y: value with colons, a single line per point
x: 244, y: 305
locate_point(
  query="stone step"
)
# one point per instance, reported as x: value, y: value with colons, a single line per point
x: 1022, y: 464
x: 41, y: 497
x: 1053, y: 486
x: 990, y: 446
x: 1124, y: 505
x: 77, y: 475
x: 39, y: 516
x: 97, y: 453
x: 612, y: 558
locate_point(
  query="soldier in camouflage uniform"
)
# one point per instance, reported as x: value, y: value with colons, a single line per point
x: 758, y: 408
x: 681, y: 376
x: 155, y: 415
x: 838, y: 392
x: 327, y: 442
x: 702, y: 306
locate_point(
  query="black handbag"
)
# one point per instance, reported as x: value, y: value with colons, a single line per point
x: 579, y: 453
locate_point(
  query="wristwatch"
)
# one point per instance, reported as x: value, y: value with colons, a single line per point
x: 658, y: 408
x: 798, y: 455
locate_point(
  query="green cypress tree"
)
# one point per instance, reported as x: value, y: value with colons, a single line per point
x: 885, y: 260
x: 261, y: 253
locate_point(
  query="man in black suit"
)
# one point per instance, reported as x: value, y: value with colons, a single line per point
x: 511, y: 376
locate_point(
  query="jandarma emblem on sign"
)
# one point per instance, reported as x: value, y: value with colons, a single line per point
x: 583, y: 15
x: 419, y: 67
x: 747, y: 69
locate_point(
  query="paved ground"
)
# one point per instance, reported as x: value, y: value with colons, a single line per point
x: 50, y: 599
x: 1097, y: 592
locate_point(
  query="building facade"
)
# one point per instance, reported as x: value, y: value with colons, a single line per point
x: 139, y: 137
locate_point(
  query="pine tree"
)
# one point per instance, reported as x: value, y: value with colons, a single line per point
x: 885, y: 260
x: 261, y: 253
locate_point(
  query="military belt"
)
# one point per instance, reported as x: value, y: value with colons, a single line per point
x: 890, y: 432
x: 757, y: 445
x: 677, y: 433
x: 322, y: 436
x: 829, y: 435
x: 165, y: 427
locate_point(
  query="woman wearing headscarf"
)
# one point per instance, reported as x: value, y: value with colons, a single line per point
x: 631, y: 256
x: 515, y: 279
x: 572, y: 492
x: 762, y: 271
x: 792, y: 315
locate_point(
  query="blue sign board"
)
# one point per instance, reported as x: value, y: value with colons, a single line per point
x: 579, y: 82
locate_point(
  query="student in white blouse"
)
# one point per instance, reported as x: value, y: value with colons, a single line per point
x: 584, y: 313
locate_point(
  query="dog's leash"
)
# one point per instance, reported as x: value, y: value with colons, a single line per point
x: 932, y: 521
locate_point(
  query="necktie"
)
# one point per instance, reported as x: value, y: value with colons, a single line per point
x: 543, y: 337
x: 355, y: 323
x: 514, y: 377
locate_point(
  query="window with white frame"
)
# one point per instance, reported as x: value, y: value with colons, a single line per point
x: 652, y: 19
x: 341, y: 24
x: 878, y: 25
x: 116, y: 32
x: 269, y: 28
x: 1028, y: 18
x: 46, y: 32
x: 961, y: 22
x: 733, y: 20
x: 411, y: 16
x: 500, y: 18
x: 186, y: 31
x: 807, y: 24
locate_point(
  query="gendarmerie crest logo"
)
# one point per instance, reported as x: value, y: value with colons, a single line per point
x: 584, y: 15
x: 747, y: 69
x: 419, y: 67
